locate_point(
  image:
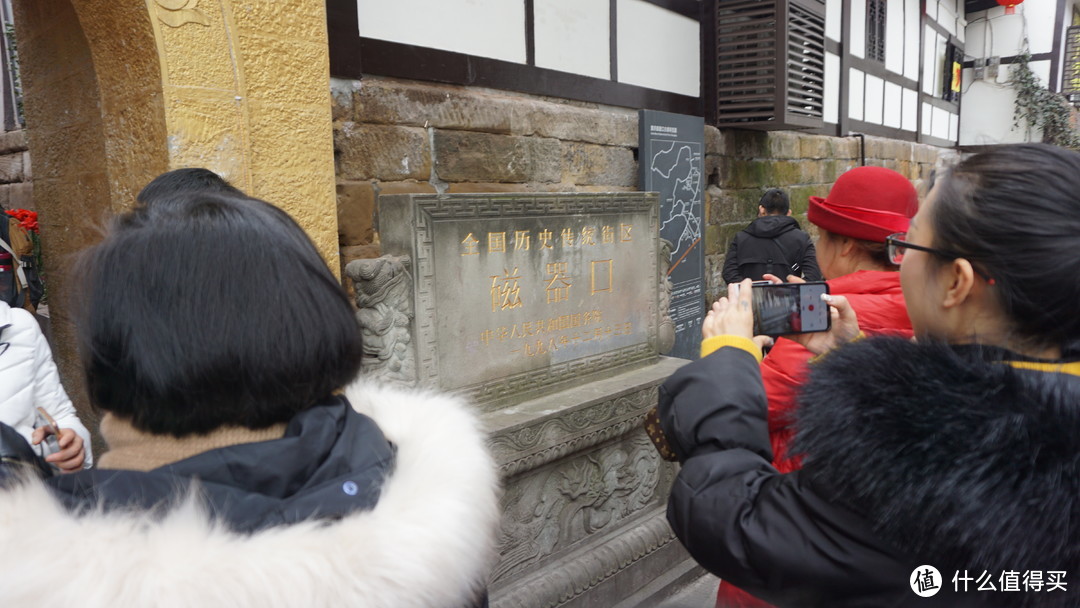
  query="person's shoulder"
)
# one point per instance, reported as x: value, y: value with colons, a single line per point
x: 410, y: 417
x: 20, y: 317
x: 793, y: 233
x: 795, y: 227
x: 18, y: 325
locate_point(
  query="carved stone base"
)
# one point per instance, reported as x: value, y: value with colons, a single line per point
x: 583, y: 511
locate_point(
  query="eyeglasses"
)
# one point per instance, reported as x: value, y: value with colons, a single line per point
x: 896, y: 247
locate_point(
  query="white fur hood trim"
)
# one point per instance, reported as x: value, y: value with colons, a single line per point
x: 429, y: 542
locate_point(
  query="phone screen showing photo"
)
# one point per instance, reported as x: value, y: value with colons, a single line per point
x: 790, y: 308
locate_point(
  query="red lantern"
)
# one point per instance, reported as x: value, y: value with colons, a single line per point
x: 1010, y: 5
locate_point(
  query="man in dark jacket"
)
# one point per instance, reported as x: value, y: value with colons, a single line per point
x: 771, y: 244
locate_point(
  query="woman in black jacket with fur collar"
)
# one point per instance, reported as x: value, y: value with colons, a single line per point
x: 249, y: 464
x: 957, y: 452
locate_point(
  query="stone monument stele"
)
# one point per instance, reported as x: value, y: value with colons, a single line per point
x: 543, y: 310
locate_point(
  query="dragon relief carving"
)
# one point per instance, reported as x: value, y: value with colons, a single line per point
x: 558, y: 507
x: 384, y: 296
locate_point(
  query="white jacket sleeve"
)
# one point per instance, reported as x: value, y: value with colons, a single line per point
x: 50, y: 394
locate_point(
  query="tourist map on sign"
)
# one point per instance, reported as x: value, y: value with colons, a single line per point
x: 678, y: 172
x: 671, y: 151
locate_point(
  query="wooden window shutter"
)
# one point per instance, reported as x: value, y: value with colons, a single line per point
x: 770, y: 63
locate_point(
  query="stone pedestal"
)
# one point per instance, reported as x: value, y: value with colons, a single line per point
x: 585, y: 497
x: 543, y: 310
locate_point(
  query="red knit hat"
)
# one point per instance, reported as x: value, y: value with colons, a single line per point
x: 867, y: 203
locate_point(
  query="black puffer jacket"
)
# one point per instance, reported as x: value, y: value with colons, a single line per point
x: 915, y: 455
x: 772, y: 244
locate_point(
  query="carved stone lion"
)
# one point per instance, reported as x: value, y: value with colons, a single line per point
x: 384, y: 295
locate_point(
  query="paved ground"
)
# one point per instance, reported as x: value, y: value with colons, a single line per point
x: 698, y: 594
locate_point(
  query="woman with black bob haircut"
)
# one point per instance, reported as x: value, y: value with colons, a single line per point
x: 168, y: 359
x: 943, y: 471
x: 246, y: 466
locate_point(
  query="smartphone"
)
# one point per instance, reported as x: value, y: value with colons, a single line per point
x: 52, y: 439
x: 790, y: 308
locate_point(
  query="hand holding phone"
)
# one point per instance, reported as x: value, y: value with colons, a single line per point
x: 844, y: 328
x: 48, y: 430
x: 730, y: 315
x: 790, y: 308
x: 65, y: 449
x: 734, y: 315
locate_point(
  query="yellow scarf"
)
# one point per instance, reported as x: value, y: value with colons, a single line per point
x: 1071, y: 367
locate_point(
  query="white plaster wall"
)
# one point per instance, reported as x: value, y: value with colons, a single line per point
x: 933, y: 60
x: 986, y: 114
x: 910, y: 120
x: 949, y: 14
x: 874, y: 91
x: 855, y: 94
x: 831, y: 98
x: 834, y: 19
x: 858, y: 29
x: 911, y: 36
x: 946, y: 15
x: 487, y: 28
x: 573, y: 36
x: 658, y: 48
x: 893, y: 102
x: 993, y: 33
x: 941, y: 123
x: 1040, y: 17
x: 894, y: 36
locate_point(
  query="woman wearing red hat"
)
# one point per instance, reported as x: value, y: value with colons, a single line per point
x: 940, y: 471
x: 864, y: 206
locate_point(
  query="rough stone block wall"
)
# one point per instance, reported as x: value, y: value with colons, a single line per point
x: 396, y: 137
x: 16, y: 189
x: 741, y: 165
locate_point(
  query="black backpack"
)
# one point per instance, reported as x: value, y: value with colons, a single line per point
x: 20, y: 283
x: 769, y: 259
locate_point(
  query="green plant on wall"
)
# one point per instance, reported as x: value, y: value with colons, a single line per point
x: 1037, y: 106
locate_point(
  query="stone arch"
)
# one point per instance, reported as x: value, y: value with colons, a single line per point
x: 93, y: 138
x: 238, y: 87
x: 118, y: 92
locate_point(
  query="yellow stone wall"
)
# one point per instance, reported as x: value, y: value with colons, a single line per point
x: 246, y: 89
x: 240, y: 87
x: 116, y: 93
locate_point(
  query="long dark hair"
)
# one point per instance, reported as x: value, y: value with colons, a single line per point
x: 1014, y: 213
x: 211, y: 310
